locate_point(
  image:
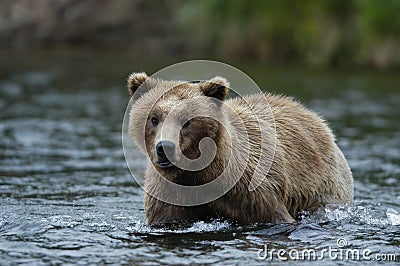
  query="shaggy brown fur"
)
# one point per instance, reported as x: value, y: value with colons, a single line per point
x: 308, y: 169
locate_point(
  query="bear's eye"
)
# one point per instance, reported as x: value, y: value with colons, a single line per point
x: 154, y: 121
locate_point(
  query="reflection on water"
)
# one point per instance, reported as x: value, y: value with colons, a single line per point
x: 67, y: 195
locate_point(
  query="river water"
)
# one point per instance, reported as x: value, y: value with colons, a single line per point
x: 68, y: 197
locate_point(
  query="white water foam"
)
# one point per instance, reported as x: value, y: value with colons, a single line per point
x: 201, y: 226
x: 356, y: 214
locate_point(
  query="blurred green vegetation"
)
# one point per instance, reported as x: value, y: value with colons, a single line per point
x: 320, y: 33
x: 331, y: 33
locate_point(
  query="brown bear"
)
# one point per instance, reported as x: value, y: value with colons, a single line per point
x: 306, y: 169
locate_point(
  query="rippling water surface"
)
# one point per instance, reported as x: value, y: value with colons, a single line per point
x: 67, y: 195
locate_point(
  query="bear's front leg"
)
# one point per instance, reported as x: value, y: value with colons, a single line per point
x: 246, y: 207
x: 161, y: 214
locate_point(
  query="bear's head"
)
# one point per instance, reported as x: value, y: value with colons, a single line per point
x: 177, y: 124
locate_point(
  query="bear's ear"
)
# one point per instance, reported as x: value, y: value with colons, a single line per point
x: 216, y: 87
x: 135, y: 80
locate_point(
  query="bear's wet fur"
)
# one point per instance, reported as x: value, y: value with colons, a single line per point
x: 307, y: 171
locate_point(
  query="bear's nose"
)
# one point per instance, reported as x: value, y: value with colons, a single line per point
x: 164, y: 148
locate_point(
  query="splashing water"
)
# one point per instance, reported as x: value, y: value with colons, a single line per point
x: 356, y: 214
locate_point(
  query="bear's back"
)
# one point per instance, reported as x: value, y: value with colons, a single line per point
x: 311, y: 166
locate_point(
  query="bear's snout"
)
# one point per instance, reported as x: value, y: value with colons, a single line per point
x: 165, y: 152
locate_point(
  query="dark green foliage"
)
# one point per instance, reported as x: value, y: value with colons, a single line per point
x: 329, y: 32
